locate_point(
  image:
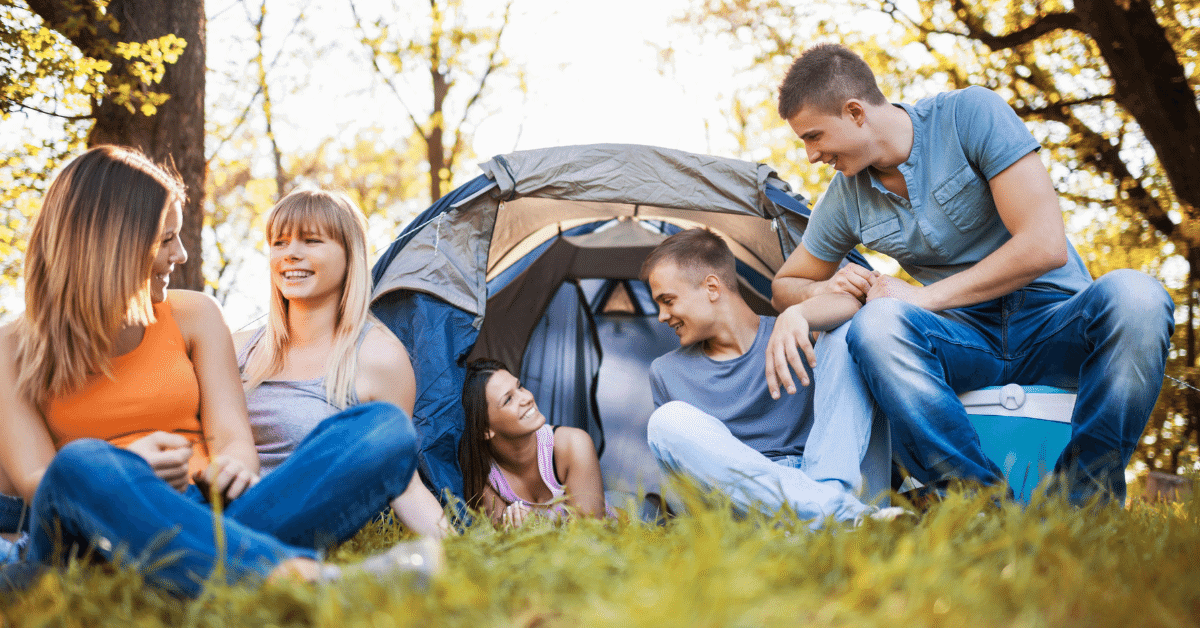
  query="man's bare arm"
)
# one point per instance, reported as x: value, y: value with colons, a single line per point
x: 1028, y: 206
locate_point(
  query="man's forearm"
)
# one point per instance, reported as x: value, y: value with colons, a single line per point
x: 788, y: 291
x: 1008, y: 269
x: 826, y: 311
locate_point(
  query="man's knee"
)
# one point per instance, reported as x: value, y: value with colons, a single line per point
x: 879, y: 327
x: 669, y: 422
x: 1136, y: 299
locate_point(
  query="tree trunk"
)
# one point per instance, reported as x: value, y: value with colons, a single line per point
x: 175, y: 134
x: 1150, y: 84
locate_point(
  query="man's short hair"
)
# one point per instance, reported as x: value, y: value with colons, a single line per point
x: 697, y: 251
x: 825, y: 77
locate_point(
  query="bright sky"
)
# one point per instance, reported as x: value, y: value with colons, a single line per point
x: 593, y: 76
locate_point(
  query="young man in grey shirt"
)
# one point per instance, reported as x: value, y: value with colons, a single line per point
x: 717, y: 422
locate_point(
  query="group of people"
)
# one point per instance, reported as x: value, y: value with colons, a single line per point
x: 131, y: 414
x: 951, y: 187
x: 133, y: 423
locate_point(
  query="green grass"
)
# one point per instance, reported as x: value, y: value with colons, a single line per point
x: 963, y: 563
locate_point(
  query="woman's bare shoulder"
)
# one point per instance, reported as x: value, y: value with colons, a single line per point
x: 382, y: 351
x: 198, y: 315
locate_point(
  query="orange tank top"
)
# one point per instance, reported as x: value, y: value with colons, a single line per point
x: 153, y: 388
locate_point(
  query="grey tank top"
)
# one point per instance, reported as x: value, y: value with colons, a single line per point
x: 282, y: 412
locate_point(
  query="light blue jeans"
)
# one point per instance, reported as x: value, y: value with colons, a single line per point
x: 1110, y: 341
x: 820, y: 484
x: 340, y: 477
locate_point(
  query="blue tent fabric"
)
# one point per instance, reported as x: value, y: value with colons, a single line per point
x: 438, y: 337
x: 562, y: 363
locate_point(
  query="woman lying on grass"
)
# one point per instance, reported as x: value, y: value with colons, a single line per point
x: 320, y: 351
x: 117, y: 395
x: 515, y: 464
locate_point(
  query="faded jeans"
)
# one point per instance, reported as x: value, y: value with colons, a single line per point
x: 1109, y: 341
x: 820, y: 484
x: 340, y: 477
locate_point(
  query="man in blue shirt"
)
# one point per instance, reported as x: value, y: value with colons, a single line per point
x: 952, y: 188
x: 715, y: 420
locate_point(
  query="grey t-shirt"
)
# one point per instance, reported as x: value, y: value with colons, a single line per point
x: 735, y: 391
x: 283, y: 412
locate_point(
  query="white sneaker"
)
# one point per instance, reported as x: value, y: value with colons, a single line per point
x: 422, y: 557
x: 891, y: 513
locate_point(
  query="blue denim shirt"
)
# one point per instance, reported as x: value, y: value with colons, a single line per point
x: 961, y: 139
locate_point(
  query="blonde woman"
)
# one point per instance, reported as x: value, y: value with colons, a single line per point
x: 117, y: 393
x: 320, y: 351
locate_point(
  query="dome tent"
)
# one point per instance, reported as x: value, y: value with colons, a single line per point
x: 535, y: 262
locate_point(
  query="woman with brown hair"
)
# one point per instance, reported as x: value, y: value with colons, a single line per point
x: 514, y: 463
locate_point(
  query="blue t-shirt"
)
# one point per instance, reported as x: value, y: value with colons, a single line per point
x: 961, y: 139
x: 735, y: 391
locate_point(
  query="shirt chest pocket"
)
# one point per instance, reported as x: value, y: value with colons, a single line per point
x: 965, y: 199
x: 883, y: 236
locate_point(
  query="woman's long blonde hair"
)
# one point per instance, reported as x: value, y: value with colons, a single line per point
x: 88, y: 266
x: 335, y: 216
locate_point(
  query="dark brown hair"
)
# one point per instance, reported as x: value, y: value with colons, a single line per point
x: 474, y: 450
x: 697, y: 251
x: 825, y: 77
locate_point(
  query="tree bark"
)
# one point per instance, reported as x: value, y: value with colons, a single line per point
x: 1151, y: 84
x: 175, y: 134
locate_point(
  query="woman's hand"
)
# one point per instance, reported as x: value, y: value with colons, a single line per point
x: 514, y: 515
x: 168, y: 454
x: 228, y: 476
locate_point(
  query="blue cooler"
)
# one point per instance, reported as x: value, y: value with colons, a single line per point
x: 1023, y: 429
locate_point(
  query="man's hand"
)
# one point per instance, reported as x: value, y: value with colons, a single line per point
x: 788, y: 340
x: 853, y: 280
x: 888, y: 286
x: 168, y: 455
x: 227, y: 475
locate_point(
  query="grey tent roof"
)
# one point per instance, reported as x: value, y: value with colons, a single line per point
x: 537, y: 193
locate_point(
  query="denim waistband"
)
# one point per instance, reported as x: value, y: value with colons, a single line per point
x: 14, y: 517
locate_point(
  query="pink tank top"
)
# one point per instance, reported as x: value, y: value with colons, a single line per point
x: 545, y: 459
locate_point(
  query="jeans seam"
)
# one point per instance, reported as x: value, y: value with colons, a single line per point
x: 964, y: 345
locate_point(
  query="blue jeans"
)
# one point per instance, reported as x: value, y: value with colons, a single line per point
x: 340, y: 477
x: 13, y: 515
x: 689, y: 442
x: 1110, y: 341
x: 821, y: 483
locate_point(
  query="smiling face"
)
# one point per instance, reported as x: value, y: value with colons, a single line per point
x: 170, y: 252
x: 512, y: 411
x: 838, y: 140
x: 307, y: 265
x: 684, y: 303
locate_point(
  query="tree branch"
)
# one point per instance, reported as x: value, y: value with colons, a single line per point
x: 378, y: 70
x: 47, y: 113
x: 1045, y: 24
x: 1039, y: 111
x: 492, y: 65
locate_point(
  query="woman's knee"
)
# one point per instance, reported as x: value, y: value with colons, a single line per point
x: 79, y: 461
x: 390, y: 438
